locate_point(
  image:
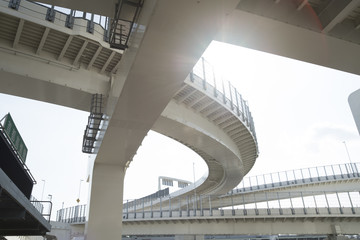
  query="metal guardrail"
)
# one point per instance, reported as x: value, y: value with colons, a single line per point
x: 226, y: 214
x: 116, y: 30
x: 43, y: 207
x: 66, y: 16
x: 319, y: 204
x: 147, y: 199
x: 45, y: 211
x: 203, y: 74
x: 242, y: 237
x: 311, y: 175
x: 75, y: 214
x: 293, y: 202
x: 37, y: 204
x: 298, y: 176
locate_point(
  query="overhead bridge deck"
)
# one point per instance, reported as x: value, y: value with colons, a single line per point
x: 273, y: 186
x: 212, y: 120
x: 145, y: 84
x: 278, y: 209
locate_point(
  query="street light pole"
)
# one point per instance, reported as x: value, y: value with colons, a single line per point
x: 347, y: 151
x: 195, y: 202
x: 78, y: 200
x: 42, y: 194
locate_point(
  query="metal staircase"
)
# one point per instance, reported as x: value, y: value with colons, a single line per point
x: 95, y: 121
x: 126, y: 12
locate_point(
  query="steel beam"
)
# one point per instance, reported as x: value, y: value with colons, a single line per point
x: 43, y: 40
x: 18, y: 33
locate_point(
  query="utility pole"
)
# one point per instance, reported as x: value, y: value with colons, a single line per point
x: 347, y: 151
x: 42, y: 194
x: 78, y: 200
x: 195, y: 202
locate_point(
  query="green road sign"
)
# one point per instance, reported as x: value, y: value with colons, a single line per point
x: 14, y: 135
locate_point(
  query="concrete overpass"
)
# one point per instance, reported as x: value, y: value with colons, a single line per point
x: 319, y: 32
x: 261, y: 221
x: 297, y: 183
x: 327, y: 205
x: 140, y: 82
x: 217, y: 128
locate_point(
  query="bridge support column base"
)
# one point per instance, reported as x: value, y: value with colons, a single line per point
x: 337, y: 233
x: 105, y: 211
x: 189, y: 237
x: 337, y: 237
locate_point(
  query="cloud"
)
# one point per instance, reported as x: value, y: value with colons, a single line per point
x: 335, y: 132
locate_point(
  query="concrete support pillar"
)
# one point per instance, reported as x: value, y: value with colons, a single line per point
x: 337, y: 237
x: 106, y: 202
x: 337, y: 233
x: 189, y: 237
x: 199, y: 237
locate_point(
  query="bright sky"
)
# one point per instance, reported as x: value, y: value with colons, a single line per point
x: 301, y: 119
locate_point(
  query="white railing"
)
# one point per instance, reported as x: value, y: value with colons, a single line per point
x: 63, y: 17
x: 203, y: 75
x: 298, y: 176
x: 319, y: 204
x: 75, y: 214
x: 307, y: 201
x: 235, y: 204
x: 279, y: 179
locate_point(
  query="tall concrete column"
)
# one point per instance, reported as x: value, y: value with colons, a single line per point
x: 199, y: 237
x: 106, y: 202
x: 337, y: 237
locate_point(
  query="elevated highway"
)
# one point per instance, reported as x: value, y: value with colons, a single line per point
x: 77, y: 64
x: 144, y: 85
x: 295, y: 184
x: 273, y: 187
x: 282, y: 208
x: 261, y: 221
x: 315, y: 31
x: 199, y: 115
x: 257, y: 222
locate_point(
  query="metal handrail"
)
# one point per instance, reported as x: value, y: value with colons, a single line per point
x: 306, y: 201
x: 70, y: 15
x: 294, y: 200
x: 253, y: 188
x: 38, y: 204
x: 319, y: 202
x: 203, y: 75
x: 298, y: 176
x: 75, y: 214
x: 101, y: 21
